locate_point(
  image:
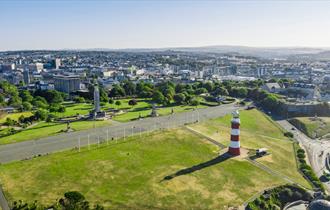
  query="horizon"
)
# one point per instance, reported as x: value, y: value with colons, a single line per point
x: 326, y: 48
x: 120, y: 25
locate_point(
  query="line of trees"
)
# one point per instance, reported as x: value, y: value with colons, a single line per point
x: 307, y: 170
x: 180, y: 93
x: 25, y: 99
x: 43, y: 102
x: 72, y: 200
x: 278, y: 197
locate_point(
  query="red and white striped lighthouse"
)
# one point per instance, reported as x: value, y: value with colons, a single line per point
x: 234, y: 147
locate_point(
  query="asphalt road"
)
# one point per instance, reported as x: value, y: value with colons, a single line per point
x: 29, y: 149
x: 317, y: 150
x: 3, y: 202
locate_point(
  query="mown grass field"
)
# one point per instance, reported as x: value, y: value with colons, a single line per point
x: 142, y: 108
x: 14, y: 116
x: 44, y: 129
x: 257, y: 131
x: 72, y: 109
x: 130, y: 175
x: 134, y: 113
x: 314, y: 128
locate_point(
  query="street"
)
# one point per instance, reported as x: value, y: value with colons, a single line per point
x: 65, y: 141
x: 317, y: 151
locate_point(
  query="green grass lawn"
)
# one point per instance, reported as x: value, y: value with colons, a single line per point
x: 44, y: 129
x: 134, y: 113
x: 257, y: 131
x: 14, y: 116
x: 142, y: 108
x: 314, y: 128
x: 73, y: 109
x: 130, y: 175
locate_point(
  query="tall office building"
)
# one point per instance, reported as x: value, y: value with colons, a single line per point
x: 67, y: 83
x: 57, y: 63
x: 26, y: 76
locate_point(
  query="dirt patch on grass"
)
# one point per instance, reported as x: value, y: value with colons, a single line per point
x: 177, y: 185
x: 267, y: 158
x: 187, y: 183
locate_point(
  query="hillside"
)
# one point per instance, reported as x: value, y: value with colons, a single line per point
x: 171, y: 169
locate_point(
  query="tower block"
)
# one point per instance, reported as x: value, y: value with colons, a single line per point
x: 234, y: 147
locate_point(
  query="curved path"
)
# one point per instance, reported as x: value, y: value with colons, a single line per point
x: 29, y: 149
x: 317, y: 150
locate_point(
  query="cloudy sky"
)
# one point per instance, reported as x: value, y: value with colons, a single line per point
x: 72, y: 24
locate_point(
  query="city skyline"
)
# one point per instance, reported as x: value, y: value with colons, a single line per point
x: 53, y: 25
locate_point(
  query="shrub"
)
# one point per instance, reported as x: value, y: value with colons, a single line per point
x: 79, y: 99
x: 300, y: 151
x: 288, y: 134
x: 132, y: 102
x: 301, y: 155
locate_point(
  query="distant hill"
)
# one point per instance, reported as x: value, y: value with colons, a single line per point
x: 324, y: 55
x: 295, y: 53
x: 266, y: 52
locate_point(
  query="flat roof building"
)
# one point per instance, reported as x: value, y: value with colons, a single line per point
x: 67, y: 83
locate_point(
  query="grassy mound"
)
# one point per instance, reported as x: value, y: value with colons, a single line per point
x: 258, y: 131
x: 131, y: 173
x: 312, y: 127
x: 44, y: 129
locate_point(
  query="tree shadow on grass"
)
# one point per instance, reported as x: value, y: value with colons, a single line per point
x: 214, y: 161
x: 83, y: 108
x: 44, y: 126
x: 139, y: 109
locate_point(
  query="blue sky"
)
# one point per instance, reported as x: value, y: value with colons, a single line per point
x: 59, y: 24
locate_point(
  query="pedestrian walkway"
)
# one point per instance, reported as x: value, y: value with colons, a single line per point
x: 206, y: 137
x: 3, y: 201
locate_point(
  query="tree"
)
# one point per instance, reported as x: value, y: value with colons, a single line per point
x: 41, y: 114
x: 40, y: 104
x: 49, y: 118
x: 74, y: 200
x: 21, y: 119
x: 220, y: 91
x: 158, y: 97
x: 209, y: 86
x: 179, y: 88
x: 8, y: 89
x: 194, y: 102
x: 54, y: 107
x: 270, y: 102
x: 240, y: 92
x: 167, y: 89
x: 61, y: 109
x: 111, y: 101
x: 9, y: 122
x: 27, y: 106
x: 79, y: 99
x: 2, y: 99
x: 129, y: 88
x: 15, y: 101
x: 51, y: 96
x: 179, y: 98
x: 26, y: 96
x: 132, y: 102
x: 118, y: 103
x: 144, y: 90
x: 103, y: 95
x: 117, y: 91
x: 200, y: 91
